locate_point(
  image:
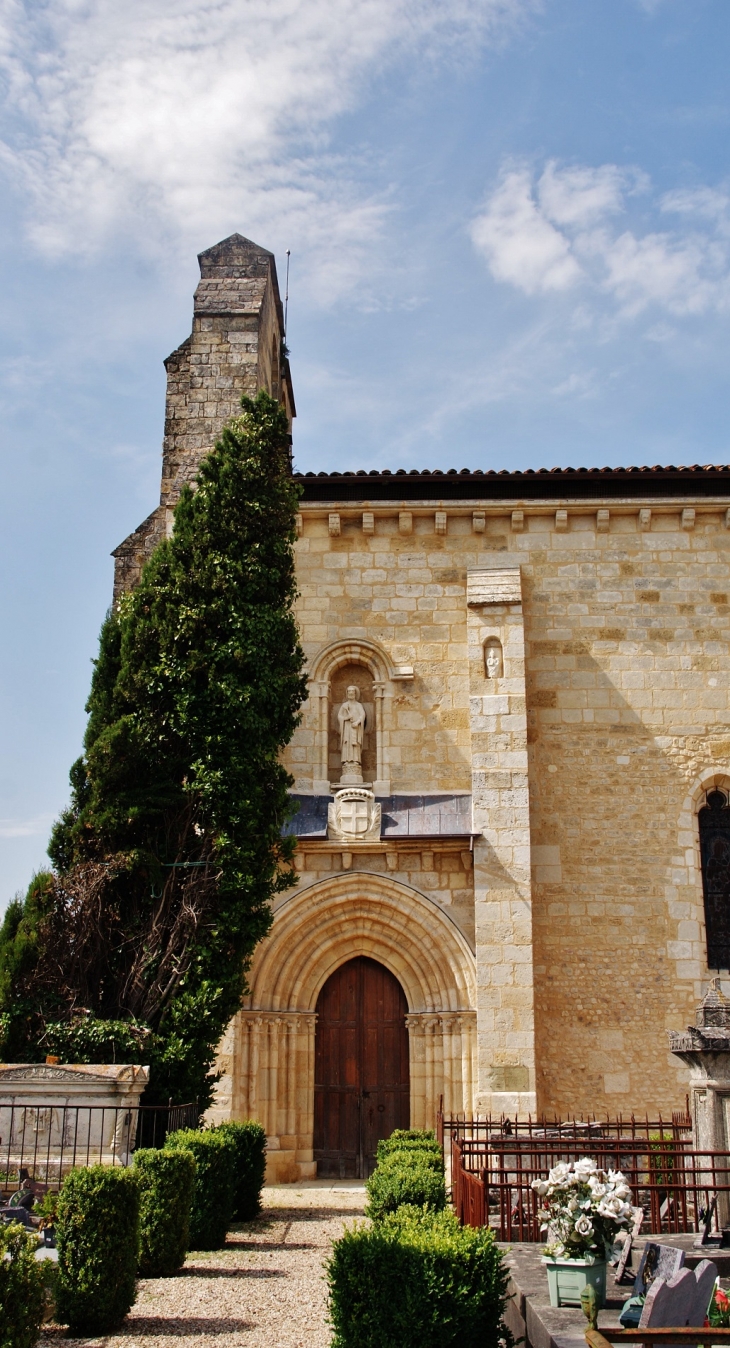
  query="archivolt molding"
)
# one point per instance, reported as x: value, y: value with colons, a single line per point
x: 705, y: 781
x: 352, y: 651
x: 316, y: 931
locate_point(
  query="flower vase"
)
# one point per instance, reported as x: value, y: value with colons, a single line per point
x: 568, y: 1277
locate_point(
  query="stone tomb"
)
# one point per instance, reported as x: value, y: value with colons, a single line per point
x: 61, y: 1112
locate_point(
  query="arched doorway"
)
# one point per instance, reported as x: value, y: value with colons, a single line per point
x: 361, y: 1078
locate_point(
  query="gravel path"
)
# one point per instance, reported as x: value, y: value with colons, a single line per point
x: 264, y: 1290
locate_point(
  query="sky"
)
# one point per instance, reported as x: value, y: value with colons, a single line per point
x: 509, y: 225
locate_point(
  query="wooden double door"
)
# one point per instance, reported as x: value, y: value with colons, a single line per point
x: 361, y: 1078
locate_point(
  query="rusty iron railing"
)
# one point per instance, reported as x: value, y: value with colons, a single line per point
x: 673, y: 1183
x: 481, y: 1127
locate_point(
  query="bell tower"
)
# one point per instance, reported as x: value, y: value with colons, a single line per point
x: 236, y: 347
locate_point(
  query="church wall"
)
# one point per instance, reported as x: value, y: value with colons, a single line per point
x: 626, y: 654
x: 544, y: 954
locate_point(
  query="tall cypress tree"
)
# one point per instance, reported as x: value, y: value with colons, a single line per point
x: 171, y: 851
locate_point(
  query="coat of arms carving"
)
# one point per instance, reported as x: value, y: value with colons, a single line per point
x: 353, y: 816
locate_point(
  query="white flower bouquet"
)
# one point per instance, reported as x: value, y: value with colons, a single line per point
x: 582, y: 1208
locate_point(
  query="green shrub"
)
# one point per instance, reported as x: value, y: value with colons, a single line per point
x: 214, y: 1191
x: 166, y: 1180
x: 408, y: 1139
x: 412, y: 1177
x: 97, y: 1234
x: 417, y: 1280
x: 249, y: 1139
x: 22, y: 1288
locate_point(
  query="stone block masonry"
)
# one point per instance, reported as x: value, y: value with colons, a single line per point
x: 236, y: 347
x: 596, y: 776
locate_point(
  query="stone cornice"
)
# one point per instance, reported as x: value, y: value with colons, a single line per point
x: 693, y: 1040
x: 557, y: 484
x: 427, y: 842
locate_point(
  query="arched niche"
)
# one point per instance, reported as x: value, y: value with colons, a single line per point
x: 367, y: 666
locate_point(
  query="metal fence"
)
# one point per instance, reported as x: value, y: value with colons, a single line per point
x: 475, y: 1128
x: 45, y: 1141
x: 491, y: 1179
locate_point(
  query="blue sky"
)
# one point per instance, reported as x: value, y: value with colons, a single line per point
x: 510, y: 233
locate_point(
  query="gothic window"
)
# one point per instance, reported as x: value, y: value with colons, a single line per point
x: 714, y: 823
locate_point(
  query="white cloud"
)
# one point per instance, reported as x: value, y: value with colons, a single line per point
x: 520, y: 244
x: 562, y: 231
x: 659, y: 270
x: 181, y: 122
x: 581, y: 196
x: 26, y: 828
x: 701, y: 202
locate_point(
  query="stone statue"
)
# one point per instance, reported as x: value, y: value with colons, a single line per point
x: 351, y: 717
x: 493, y: 659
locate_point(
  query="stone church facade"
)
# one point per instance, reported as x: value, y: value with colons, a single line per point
x: 512, y: 773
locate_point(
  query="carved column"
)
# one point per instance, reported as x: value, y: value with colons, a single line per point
x: 381, y: 785
x: 442, y: 1047
x: 289, y: 1110
x: 468, y: 1055
x: 305, y: 1090
x: 272, y: 1076
x: 254, y: 1028
x: 319, y: 693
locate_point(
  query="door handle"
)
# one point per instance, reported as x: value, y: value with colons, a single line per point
x: 381, y: 1109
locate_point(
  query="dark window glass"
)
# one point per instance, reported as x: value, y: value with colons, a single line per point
x: 714, y: 821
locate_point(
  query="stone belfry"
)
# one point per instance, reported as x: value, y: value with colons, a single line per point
x: 236, y: 347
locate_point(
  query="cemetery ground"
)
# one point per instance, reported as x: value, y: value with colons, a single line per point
x: 265, y: 1289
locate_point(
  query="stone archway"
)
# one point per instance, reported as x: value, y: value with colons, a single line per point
x: 267, y: 1056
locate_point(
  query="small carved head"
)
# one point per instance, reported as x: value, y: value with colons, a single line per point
x: 353, y: 693
x: 493, y: 664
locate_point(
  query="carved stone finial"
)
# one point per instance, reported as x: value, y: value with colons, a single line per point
x: 714, y: 1009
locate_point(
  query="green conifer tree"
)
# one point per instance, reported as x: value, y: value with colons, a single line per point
x: 171, y: 850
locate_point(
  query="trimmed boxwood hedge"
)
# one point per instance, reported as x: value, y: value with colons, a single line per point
x: 249, y: 1139
x: 97, y: 1235
x: 214, y: 1191
x: 165, y: 1179
x: 415, y: 1177
x: 22, y: 1288
x: 408, y: 1139
x: 417, y: 1280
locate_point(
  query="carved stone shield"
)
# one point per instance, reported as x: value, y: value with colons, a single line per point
x: 354, y: 814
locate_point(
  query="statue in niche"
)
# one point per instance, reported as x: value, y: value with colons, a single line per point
x: 351, y: 717
x: 493, y: 662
